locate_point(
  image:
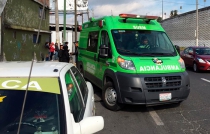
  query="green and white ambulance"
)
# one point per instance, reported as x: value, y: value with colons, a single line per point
x: 58, y: 99
x: 132, y: 60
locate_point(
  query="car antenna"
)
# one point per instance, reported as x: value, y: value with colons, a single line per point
x: 24, y: 101
x: 29, y: 77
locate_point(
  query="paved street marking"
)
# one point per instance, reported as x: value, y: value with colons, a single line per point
x: 155, y: 117
x: 205, y: 80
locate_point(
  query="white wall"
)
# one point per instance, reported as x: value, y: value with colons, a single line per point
x: 69, y: 39
x: 53, y: 36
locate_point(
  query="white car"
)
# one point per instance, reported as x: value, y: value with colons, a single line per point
x: 57, y: 99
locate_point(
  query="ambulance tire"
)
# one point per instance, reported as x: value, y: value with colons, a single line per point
x: 109, y: 96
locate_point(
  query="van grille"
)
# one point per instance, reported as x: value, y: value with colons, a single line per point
x: 158, y: 82
x: 162, y: 90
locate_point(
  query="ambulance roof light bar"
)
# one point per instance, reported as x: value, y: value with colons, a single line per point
x: 148, y: 18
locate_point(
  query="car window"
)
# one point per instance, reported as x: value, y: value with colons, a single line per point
x: 117, y: 39
x: 186, y: 51
x: 92, y: 41
x: 140, y: 42
x: 81, y: 82
x: 202, y: 51
x: 41, y: 110
x: 75, y: 98
x: 190, y: 50
x: 198, y: 51
x: 105, y: 38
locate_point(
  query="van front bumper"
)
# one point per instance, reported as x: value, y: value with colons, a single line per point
x: 146, y: 89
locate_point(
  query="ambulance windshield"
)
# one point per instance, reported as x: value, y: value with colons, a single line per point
x: 41, y: 113
x: 143, y: 42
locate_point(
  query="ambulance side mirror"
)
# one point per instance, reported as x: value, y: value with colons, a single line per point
x: 177, y: 48
x: 103, y: 51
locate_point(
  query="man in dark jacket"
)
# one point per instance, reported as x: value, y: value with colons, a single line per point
x: 76, y: 51
x: 60, y: 53
x: 65, y: 54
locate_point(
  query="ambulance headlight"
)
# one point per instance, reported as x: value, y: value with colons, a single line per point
x: 126, y: 64
x: 182, y: 64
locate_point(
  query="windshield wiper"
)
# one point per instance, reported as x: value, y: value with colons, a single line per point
x: 130, y: 52
x: 146, y: 54
x: 124, y: 50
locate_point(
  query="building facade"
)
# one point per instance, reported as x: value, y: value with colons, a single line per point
x: 182, y: 28
x: 21, y: 23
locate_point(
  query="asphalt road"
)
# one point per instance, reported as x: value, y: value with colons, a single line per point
x: 192, y: 116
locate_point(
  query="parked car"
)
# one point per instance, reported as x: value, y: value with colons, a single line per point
x: 57, y: 99
x: 197, y: 57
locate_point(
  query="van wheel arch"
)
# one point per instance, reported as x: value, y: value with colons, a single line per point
x: 110, y: 76
x: 110, y: 96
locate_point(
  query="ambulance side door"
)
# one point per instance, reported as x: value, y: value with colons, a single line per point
x: 104, y: 62
x: 91, y: 61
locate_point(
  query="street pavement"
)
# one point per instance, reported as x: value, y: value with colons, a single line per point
x: 192, y: 116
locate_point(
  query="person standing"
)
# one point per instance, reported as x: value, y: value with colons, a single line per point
x: 65, y: 54
x: 52, y: 50
x: 76, y: 51
x: 66, y: 43
x: 56, y: 51
x: 60, y: 53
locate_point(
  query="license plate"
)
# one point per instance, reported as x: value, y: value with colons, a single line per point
x: 165, y: 96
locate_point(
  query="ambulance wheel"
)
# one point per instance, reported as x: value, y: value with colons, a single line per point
x: 109, y: 96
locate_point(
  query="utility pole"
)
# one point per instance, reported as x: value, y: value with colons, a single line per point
x: 88, y: 14
x: 40, y: 22
x: 82, y: 18
x: 162, y: 9
x: 204, y: 2
x: 92, y: 12
x: 196, y: 22
x: 57, y: 22
x: 75, y: 19
x: 64, y: 21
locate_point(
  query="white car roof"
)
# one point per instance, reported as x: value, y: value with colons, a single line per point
x: 40, y: 69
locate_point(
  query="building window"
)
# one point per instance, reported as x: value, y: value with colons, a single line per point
x: 40, y: 13
x: 35, y: 37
